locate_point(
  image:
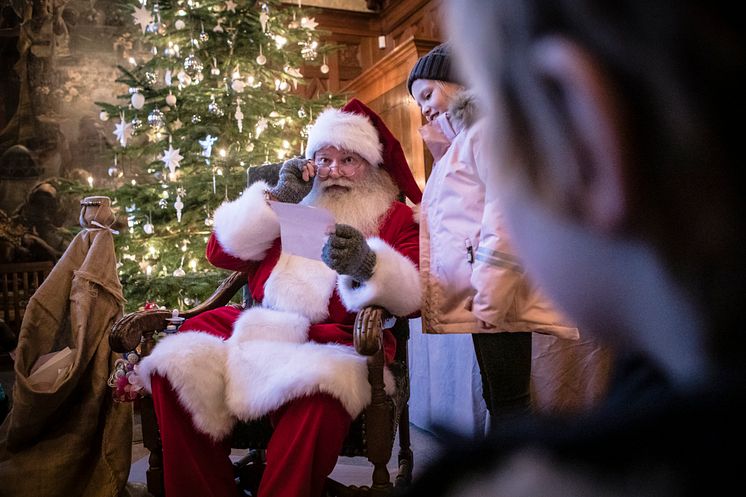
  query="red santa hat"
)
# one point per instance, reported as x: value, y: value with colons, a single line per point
x: 356, y: 128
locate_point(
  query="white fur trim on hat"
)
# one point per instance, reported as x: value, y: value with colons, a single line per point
x: 347, y: 131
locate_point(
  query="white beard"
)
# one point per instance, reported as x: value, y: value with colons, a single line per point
x: 362, y: 206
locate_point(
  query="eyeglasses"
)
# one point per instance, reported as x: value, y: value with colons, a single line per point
x: 347, y: 165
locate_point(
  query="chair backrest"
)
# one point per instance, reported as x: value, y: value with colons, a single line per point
x: 18, y: 282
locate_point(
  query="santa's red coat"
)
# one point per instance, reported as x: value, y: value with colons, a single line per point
x: 298, y: 341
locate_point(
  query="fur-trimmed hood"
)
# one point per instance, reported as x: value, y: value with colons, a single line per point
x: 464, y: 109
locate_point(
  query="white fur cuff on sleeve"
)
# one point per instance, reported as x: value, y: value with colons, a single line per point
x: 395, y: 284
x: 247, y: 227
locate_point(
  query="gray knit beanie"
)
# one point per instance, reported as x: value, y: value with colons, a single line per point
x: 435, y: 65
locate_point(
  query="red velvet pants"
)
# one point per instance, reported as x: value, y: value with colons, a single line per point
x: 307, y: 438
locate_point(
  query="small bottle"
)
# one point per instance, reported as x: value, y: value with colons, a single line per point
x: 173, y: 322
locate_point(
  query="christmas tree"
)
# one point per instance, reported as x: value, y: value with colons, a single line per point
x: 214, y: 90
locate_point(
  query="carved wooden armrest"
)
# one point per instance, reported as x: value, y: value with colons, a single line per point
x: 128, y: 331
x: 368, y: 330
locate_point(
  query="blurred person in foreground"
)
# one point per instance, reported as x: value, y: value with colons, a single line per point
x: 611, y: 128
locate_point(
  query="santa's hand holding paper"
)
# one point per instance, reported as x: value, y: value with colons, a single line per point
x: 347, y: 252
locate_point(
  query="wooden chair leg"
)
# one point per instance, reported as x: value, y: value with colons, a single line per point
x: 379, y: 419
x: 151, y: 439
x: 406, y: 457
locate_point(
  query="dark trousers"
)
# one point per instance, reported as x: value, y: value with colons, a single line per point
x: 505, y: 366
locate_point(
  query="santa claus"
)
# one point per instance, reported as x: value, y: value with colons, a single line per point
x: 291, y: 355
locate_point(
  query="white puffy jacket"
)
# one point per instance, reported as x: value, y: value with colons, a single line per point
x: 467, y: 266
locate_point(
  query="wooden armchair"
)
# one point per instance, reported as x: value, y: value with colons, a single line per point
x: 372, y: 434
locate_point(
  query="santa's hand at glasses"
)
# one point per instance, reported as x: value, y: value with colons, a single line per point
x: 347, y: 252
x: 296, y: 181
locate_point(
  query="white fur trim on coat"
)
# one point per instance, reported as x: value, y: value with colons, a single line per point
x: 247, y: 227
x: 395, y: 284
x: 348, y: 131
x: 194, y: 364
x: 258, y: 323
x: 300, y: 285
x: 264, y: 375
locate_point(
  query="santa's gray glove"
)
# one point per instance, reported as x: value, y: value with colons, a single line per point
x: 291, y: 187
x: 347, y: 252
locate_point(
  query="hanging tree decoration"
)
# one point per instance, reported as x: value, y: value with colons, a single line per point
x: 148, y: 227
x: 239, y: 115
x: 143, y: 17
x: 295, y: 73
x: 171, y: 158
x: 123, y: 130
x: 294, y: 23
x: 261, y: 59
x: 138, y: 100
x: 264, y: 17
x: 178, y: 204
x: 156, y: 119
x: 206, y: 145
x: 261, y: 125
x: 308, y: 23
x: 114, y: 171
x: 214, y: 108
x: 193, y: 67
x: 231, y: 5
x: 179, y: 272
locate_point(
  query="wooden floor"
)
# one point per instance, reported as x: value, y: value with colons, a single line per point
x: 349, y: 470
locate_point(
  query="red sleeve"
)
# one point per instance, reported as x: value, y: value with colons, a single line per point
x: 220, y: 258
x: 402, y: 232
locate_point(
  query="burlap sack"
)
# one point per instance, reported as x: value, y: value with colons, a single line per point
x: 73, y: 440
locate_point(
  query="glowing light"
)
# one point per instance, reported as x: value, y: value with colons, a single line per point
x: 90, y: 181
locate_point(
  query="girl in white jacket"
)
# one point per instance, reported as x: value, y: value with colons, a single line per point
x: 473, y: 282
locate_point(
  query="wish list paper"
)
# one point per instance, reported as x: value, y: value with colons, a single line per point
x: 303, y: 229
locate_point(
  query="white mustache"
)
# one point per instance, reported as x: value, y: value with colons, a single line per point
x: 337, y: 182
